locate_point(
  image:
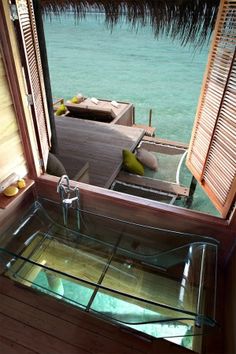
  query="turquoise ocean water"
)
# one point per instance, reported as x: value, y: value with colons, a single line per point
x: 129, y: 65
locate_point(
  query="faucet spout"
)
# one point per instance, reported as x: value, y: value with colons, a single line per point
x: 65, y: 191
x: 61, y: 185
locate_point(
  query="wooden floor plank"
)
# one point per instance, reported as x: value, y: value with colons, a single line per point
x: 68, y: 313
x: 99, y: 144
x: 58, y: 328
x: 57, y: 331
x: 65, y: 315
x: 9, y: 346
x: 33, y: 338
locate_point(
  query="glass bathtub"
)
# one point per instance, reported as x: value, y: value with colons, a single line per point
x: 159, y: 282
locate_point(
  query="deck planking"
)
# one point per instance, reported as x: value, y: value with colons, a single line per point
x: 99, y: 144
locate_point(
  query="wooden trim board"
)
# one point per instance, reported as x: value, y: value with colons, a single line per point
x: 164, y: 186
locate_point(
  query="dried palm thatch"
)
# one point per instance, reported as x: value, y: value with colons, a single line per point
x: 188, y: 20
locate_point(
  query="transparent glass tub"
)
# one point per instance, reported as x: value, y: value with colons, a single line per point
x: 159, y: 282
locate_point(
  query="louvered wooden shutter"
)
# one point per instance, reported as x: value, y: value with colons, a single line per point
x: 212, y: 152
x: 35, y: 75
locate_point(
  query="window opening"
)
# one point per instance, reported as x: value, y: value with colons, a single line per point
x: 118, y: 113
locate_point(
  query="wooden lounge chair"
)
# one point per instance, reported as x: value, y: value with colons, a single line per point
x: 163, y: 185
x: 101, y: 114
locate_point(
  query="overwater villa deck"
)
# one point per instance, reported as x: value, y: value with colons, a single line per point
x: 91, y: 137
x: 91, y: 152
x: 98, y: 144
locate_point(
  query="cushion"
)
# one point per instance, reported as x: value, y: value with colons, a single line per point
x: 85, y: 111
x: 54, y: 166
x: 131, y: 164
x: 61, y: 110
x: 74, y: 99
x: 147, y: 159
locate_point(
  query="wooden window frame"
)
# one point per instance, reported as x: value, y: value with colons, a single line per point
x: 198, y: 220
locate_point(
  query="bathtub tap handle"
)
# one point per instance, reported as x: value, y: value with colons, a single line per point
x: 69, y: 201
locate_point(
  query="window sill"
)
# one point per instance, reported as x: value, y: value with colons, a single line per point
x: 5, y: 202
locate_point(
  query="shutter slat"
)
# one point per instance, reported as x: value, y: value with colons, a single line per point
x: 212, y: 152
x: 35, y: 73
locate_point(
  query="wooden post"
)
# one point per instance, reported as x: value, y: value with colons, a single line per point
x: 133, y: 114
x: 193, y: 186
x: 150, y: 118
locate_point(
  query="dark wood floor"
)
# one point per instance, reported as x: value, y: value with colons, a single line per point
x: 35, y: 323
x: 99, y: 144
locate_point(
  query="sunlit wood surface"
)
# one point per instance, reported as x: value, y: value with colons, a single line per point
x: 99, y: 144
x: 11, y: 152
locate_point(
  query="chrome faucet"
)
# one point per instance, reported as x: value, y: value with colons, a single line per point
x: 69, y: 201
x: 62, y: 178
x: 65, y: 190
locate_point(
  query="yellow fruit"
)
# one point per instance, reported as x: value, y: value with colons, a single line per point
x: 21, y: 183
x: 10, y: 191
x: 75, y: 99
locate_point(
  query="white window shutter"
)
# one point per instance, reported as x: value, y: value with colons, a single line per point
x: 212, y: 152
x: 35, y: 74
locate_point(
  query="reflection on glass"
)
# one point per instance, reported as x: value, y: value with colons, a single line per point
x: 158, y: 282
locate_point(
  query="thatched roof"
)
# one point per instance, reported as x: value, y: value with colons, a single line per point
x: 189, y: 20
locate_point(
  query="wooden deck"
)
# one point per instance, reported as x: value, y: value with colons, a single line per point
x: 99, y: 144
x: 149, y: 131
x: 35, y: 323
